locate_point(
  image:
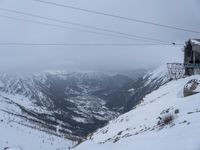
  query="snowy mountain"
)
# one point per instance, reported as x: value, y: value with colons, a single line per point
x: 20, y: 131
x: 123, y: 99
x: 67, y: 106
x: 165, y: 119
x: 61, y: 105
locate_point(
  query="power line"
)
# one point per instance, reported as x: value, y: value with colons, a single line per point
x: 83, y: 44
x: 64, y: 27
x: 142, y: 38
x: 119, y: 17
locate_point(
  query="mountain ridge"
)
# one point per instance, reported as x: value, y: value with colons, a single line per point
x: 71, y: 105
x: 144, y: 126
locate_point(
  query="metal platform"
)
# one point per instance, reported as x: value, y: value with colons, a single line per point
x: 178, y: 70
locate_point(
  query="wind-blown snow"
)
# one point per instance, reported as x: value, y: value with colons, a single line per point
x: 139, y: 128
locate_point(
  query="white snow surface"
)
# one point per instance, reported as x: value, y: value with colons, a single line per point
x: 21, y: 137
x: 16, y: 148
x: 196, y: 42
x: 139, y: 129
x: 159, y: 74
x: 16, y: 134
x: 1, y: 84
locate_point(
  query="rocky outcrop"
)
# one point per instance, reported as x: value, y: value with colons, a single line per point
x: 192, y: 87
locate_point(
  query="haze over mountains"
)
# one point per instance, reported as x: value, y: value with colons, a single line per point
x: 68, y: 105
x: 85, y: 75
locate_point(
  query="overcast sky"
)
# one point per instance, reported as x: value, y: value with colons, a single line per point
x: 180, y: 13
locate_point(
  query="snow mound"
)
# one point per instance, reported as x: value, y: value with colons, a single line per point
x: 141, y: 129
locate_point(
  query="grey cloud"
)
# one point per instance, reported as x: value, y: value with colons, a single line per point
x: 181, y: 13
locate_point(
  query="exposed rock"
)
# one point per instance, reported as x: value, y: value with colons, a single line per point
x: 192, y: 87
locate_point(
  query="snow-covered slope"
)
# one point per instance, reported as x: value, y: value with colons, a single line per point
x: 131, y: 94
x: 141, y: 128
x: 21, y: 132
x: 67, y: 106
x: 52, y: 109
x: 61, y: 98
